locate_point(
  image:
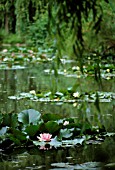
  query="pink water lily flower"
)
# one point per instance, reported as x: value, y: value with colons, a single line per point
x: 45, y: 137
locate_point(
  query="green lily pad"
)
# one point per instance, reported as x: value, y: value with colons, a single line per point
x: 31, y: 130
x: 50, y: 117
x: 65, y: 133
x: 3, y: 130
x: 29, y: 116
x: 52, y: 127
x: 10, y: 120
x: 54, y: 142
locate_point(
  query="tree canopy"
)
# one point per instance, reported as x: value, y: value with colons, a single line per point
x: 60, y: 18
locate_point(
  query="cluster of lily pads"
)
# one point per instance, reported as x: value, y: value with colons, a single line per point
x: 22, y: 55
x: 69, y: 96
x: 30, y: 128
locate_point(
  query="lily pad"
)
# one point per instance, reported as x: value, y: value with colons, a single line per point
x: 52, y: 127
x: 29, y: 116
x: 51, y: 117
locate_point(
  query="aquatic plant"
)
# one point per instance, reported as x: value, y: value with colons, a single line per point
x: 45, y: 137
x: 30, y: 128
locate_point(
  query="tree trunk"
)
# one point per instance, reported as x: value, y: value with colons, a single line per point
x: 6, y: 23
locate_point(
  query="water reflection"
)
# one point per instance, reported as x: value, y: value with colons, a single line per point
x: 13, y: 81
x: 62, y: 158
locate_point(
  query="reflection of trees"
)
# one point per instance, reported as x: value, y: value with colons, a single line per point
x: 36, y: 158
x: 12, y: 82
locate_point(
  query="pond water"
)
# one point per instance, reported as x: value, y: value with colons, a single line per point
x: 90, y: 157
x: 34, y: 77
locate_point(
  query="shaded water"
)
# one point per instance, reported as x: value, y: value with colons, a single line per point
x: 14, y: 81
x: 90, y: 157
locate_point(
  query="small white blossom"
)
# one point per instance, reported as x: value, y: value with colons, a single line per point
x: 32, y: 92
x: 75, y: 104
x: 5, y: 51
x: 76, y: 94
x: 76, y: 68
x: 66, y: 123
x: 108, y: 70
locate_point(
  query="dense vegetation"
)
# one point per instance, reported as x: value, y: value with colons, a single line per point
x: 56, y: 31
x: 56, y: 23
x: 48, y: 130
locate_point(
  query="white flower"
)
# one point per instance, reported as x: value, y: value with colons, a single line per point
x: 30, y: 51
x: 32, y: 92
x: 66, y: 123
x: 5, y: 51
x: 76, y: 94
x: 75, y: 104
x: 108, y: 70
x: 76, y: 68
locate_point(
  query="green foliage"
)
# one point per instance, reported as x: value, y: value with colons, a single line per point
x: 65, y: 133
x: 31, y: 130
x: 3, y: 131
x: 47, y: 117
x: 37, y: 32
x: 67, y: 26
x: 29, y: 124
x: 29, y: 117
x: 52, y: 127
x: 10, y: 120
x: 67, y: 97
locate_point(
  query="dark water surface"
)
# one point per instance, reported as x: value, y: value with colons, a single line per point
x: 92, y: 157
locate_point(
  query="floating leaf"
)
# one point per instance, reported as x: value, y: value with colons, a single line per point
x: 89, y: 166
x: 54, y: 142
x: 52, y: 126
x: 31, y: 130
x: 109, y: 134
x: 3, y: 130
x: 110, y: 165
x: 29, y: 116
x: 65, y: 133
x: 15, y: 140
x: 10, y: 120
x: 74, y: 141
x: 59, y: 94
x: 38, y: 143
x: 62, y: 165
x: 19, y: 134
x: 51, y: 117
